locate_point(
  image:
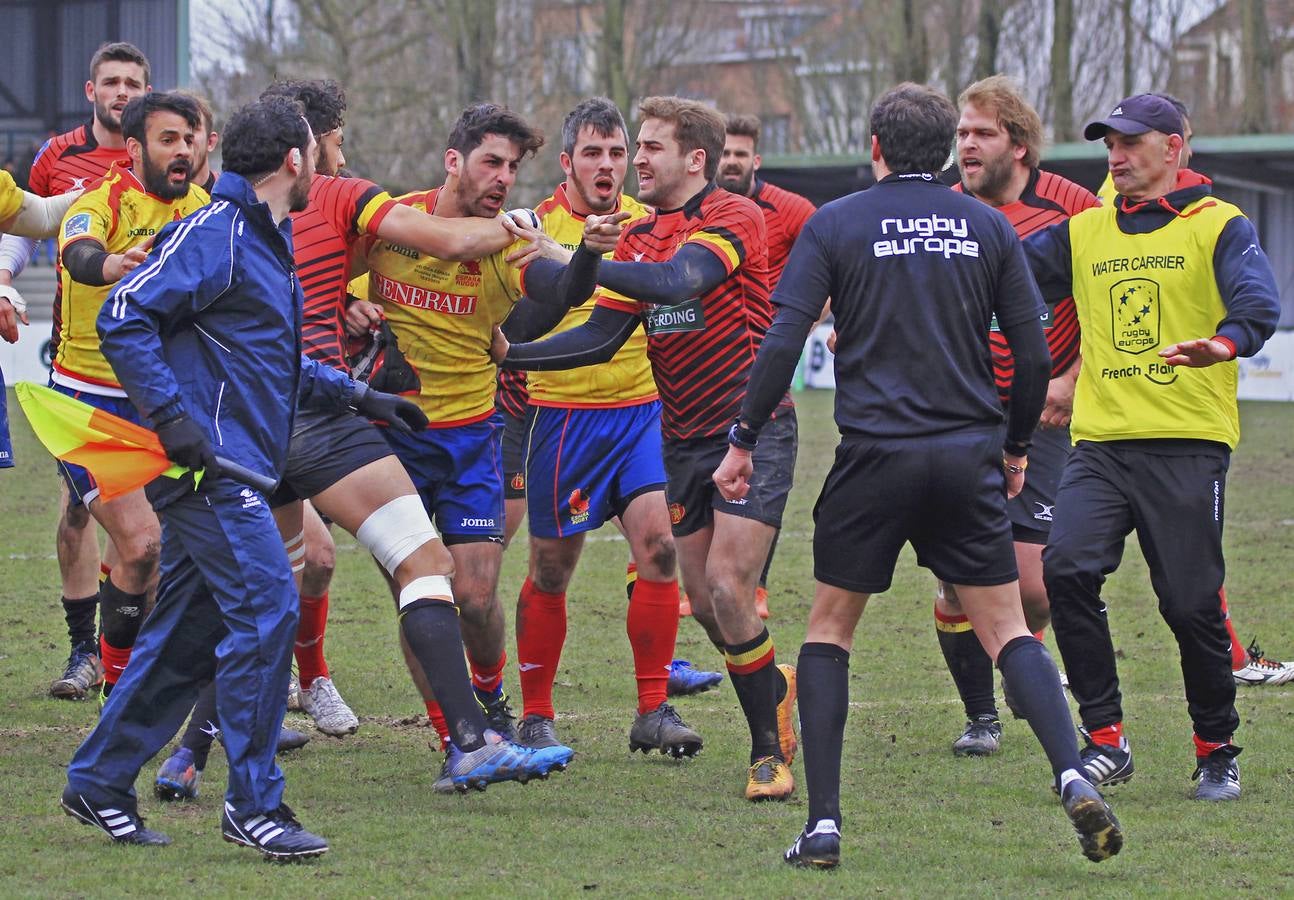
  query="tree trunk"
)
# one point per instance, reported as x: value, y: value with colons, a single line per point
x: 988, y: 35
x: 614, y: 58
x: 1062, y: 77
x: 1128, y: 30
x: 1256, y: 50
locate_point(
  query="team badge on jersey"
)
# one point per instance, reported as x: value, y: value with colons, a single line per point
x: 578, y: 505
x: 519, y: 481
x: 1134, y: 315
x: 676, y: 513
x: 77, y: 224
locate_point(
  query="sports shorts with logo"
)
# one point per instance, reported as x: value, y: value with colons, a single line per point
x: 944, y: 494
x: 6, y: 446
x: 690, y: 465
x: 586, y: 465
x: 326, y: 446
x: 1031, y: 511
x: 81, y: 486
x: 458, y: 472
x: 514, y: 455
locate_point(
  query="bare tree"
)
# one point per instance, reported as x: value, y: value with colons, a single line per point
x: 1258, y: 60
x: 1062, y: 74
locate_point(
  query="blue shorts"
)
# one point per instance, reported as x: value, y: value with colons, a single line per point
x: 81, y: 486
x: 458, y: 472
x: 584, y: 466
x: 6, y: 447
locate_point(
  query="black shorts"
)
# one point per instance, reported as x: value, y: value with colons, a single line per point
x: 325, y: 448
x: 515, y: 429
x: 946, y: 495
x: 691, y: 492
x: 1032, y: 509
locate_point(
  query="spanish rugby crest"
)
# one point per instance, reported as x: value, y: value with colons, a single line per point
x: 1134, y: 315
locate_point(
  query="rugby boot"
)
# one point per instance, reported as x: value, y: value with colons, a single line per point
x: 817, y: 849
x: 684, y: 679
x: 1217, y: 775
x: 1258, y: 669
x: 498, y: 760
x: 323, y: 703
x: 1106, y: 765
x: 82, y: 673
x: 178, y: 777
x: 982, y: 737
x: 1098, y: 830
x: 769, y: 779
x: 498, y: 712
x: 537, y: 733
x: 786, y: 715
x: 122, y: 824
x: 663, y: 729
x: 277, y: 834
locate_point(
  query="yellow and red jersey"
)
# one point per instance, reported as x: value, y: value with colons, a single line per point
x: 340, y: 212
x: 785, y: 213
x: 10, y: 196
x: 1047, y: 198
x: 71, y: 161
x: 118, y: 213
x: 702, y: 349
x: 623, y: 380
x: 443, y: 314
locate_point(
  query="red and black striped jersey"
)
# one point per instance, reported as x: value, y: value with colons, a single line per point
x: 511, y: 395
x: 701, y: 350
x: 71, y: 161
x: 785, y: 213
x: 340, y: 212
x: 1046, y: 200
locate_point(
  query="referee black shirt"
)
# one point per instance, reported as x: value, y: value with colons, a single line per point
x: 915, y: 273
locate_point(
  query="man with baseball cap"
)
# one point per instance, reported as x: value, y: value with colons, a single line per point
x: 1170, y: 285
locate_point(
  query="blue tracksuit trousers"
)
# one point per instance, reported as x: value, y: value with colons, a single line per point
x: 226, y: 595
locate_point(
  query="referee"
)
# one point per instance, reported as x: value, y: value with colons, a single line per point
x: 916, y: 273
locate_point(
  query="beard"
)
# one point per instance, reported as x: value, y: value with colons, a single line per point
x: 157, y: 181
x: 736, y: 183
x: 596, y: 204
x: 107, y: 117
x: 299, y: 195
x: 994, y: 176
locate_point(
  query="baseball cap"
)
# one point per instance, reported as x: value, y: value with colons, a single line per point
x: 1137, y: 115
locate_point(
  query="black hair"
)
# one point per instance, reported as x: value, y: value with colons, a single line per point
x: 323, y: 100
x: 597, y: 113
x: 120, y: 51
x: 261, y: 133
x: 480, y: 119
x: 915, y: 126
x: 134, y: 118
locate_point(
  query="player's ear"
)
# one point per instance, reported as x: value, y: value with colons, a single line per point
x: 89, y: 91
x: 134, y: 148
x: 567, y: 165
x: 876, y: 149
x: 453, y: 161
x: 212, y: 140
x: 696, y: 161
x: 757, y: 162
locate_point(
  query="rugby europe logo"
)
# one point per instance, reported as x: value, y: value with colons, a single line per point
x: 935, y: 234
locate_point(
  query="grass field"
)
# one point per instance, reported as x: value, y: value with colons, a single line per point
x: 917, y: 820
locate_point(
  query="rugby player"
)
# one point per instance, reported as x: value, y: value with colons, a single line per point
x: 106, y: 234
x: 785, y: 213
x: 1155, y: 421
x: 349, y: 472
x: 73, y: 161
x: 442, y: 311
x: 592, y: 453
x: 694, y: 274
x: 204, y: 143
x: 999, y: 141
x: 922, y: 459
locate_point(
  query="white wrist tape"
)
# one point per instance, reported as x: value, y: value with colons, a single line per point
x: 15, y: 299
x: 393, y: 532
x: 15, y: 252
x: 428, y: 587
x: 40, y: 217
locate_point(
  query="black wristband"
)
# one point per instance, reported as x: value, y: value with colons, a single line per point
x: 1011, y: 449
x: 743, y: 438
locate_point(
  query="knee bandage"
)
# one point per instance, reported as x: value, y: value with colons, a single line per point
x: 428, y: 587
x: 296, y: 548
x: 393, y: 532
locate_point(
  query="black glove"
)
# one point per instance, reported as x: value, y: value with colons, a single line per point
x: 187, y: 444
x: 401, y: 414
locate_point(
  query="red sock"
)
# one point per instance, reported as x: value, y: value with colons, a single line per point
x: 1203, y: 748
x: 652, y: 626
x: 1239, y: 655
x: 541, y: 633
x: 487, y: 678
x: 1109, y: 736
x: 104, y: 571
x: 309, y: 649
x: 1040, y: 634
x: 438, y: 722
x: 114, y: 660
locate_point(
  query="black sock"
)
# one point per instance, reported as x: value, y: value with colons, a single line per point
x: 1034, y: 682
x: 823, y: 677
x: 969, y: 665
x: 752, y: 667
x: 768, y: 561
x: 80, y: 622
x: 203, y: 725
x: 431, y: 629
x: 121, y: 615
